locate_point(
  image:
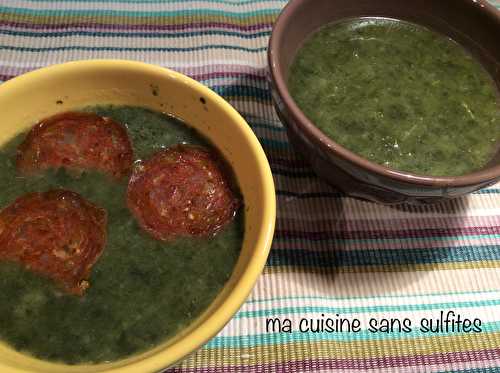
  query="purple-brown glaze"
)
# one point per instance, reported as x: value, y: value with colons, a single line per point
x: 474, y: 24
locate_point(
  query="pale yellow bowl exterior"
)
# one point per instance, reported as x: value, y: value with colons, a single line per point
x: 33, y: 96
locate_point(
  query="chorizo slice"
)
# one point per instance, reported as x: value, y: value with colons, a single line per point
x: 57, y: 234
x: 76, y: 141
x: 181, y: 191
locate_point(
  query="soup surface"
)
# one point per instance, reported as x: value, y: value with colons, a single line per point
x: 141, y: 290
x: 399, y: 95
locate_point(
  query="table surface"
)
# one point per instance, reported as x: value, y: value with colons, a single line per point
x: 331, y: 254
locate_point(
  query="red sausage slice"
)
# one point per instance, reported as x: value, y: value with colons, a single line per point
x: 57, y: 234
x: 76, y: 141
x: 181, y: 191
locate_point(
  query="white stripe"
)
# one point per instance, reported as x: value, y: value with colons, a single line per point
x: 289, y: 284
x: 200, y: 57
x: 317, y: 209
x: 352, y: 209
x: 132, y: 42
x: 257, y: 325
x: 402, y: 300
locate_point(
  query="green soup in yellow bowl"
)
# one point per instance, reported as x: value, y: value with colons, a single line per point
x: 168, y: 210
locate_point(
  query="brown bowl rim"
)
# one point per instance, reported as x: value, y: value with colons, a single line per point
x: 328, y: 145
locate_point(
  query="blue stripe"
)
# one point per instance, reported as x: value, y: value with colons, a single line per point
x: 292, y: 310
x: 241, y: 91
x: 364, y: 335
x: 374, y: 257
x: 230, y: 80
x: 132, y: 49
x: 149, y: 35
x: 274, y: 145
x: 488, y: 191
x: 137, y: 14
x: 475, y: 370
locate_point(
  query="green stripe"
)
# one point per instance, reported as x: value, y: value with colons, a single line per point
x: 293, y: 310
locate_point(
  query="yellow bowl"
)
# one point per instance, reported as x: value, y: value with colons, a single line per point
x: 33, y: 96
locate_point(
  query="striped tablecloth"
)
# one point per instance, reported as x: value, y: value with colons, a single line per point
x: 331, y: 255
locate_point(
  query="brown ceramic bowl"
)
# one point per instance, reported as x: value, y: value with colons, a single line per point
x: 475, y: 24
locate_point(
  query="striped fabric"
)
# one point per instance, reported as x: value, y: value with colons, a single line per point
x: 332, y: 255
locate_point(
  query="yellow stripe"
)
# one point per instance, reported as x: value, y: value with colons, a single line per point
x: 149, y: 20
x: 343, y: 350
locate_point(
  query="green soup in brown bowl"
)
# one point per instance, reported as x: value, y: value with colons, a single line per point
x: 391, y: 102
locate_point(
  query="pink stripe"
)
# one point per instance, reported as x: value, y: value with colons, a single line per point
x: 344, y: 234
x: 382, y: 245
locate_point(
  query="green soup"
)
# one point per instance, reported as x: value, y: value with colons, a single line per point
x: 398, y: 94
x: 142, y: 291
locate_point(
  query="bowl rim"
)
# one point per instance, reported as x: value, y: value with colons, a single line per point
x: 326, y: 144
x: 242, y: 287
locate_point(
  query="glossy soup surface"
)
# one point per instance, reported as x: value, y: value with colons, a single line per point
x: 398, y: 94
x: 141, y: 290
